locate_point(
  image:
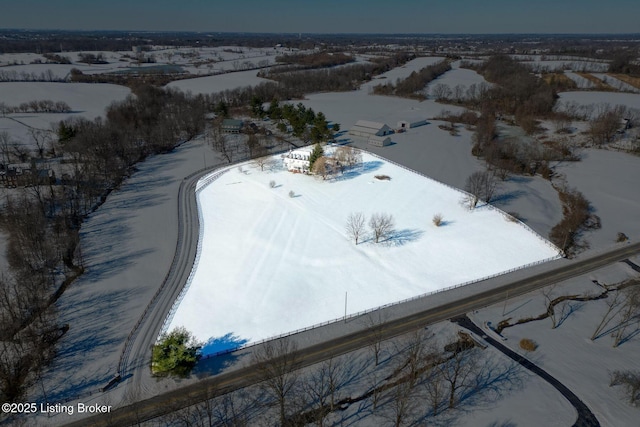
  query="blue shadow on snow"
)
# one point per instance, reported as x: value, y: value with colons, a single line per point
x: 218, y: 344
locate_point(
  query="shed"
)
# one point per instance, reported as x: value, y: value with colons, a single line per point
x: 379, y: 141
x: 232, y: 125
x: 408, y: 124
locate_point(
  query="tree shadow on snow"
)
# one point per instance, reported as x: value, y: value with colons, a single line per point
x: 506, y: 198
x: 402, y: 237
x: 356, y: 171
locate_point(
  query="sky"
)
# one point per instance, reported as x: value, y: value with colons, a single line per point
x: 327, y: 16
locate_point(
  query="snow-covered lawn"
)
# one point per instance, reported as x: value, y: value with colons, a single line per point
x: 270, y: 263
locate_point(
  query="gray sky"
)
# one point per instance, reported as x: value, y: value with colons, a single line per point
x: 327, y: 16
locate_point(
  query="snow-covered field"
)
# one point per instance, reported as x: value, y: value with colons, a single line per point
x: 85, y: 99
x: 631, y: 100
x: 270, y: 263
x: 616, y: 199
x: 218, y: 83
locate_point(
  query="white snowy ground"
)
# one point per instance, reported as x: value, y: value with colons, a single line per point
x: 609, y: 180
x: 270, y: 263
x: 567, y: 353
x: 218, y: 83
x: 616, y: 83
x: 86, y: 100
x: 631, y: 100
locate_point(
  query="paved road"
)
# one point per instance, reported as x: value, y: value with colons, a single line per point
x: 133, y: 366
x: 585, y: 416
x: 224, y: 383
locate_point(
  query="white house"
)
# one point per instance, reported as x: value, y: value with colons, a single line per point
x: 373, y: 132
x: 297, y: 160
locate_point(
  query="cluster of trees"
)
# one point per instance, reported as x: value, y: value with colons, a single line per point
x: 577, y: 216
x: 24, y: 76
x: 54, y: 58
x: 413, y: 85
x: 41, y: 106
x: 42, y: 221
x: 314, y: 60
x: 335, y: 79
x: 630, y: 381
x: 472, y: 95
x: 305, y: 123
x: 329, y: 166
x: 92, y: 58
x: 381, y: 226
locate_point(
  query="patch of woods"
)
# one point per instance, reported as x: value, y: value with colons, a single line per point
x: 175, y: 353
x: 24, y: 76
x: 333, y: 79
x: 313, y: 60
x: 577, y: 216
x: 36, y: 106
x: 416, y: 379
x: 413, y: 85
x: 42, y: 220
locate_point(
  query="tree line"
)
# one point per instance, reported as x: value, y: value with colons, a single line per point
x: 41, y: 106
x: 42, y: 221
x: 413, y: 85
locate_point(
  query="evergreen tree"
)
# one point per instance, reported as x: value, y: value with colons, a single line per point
x: 315, y: 155
x: 175, y: 354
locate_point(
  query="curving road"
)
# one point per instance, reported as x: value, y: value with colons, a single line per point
x: 221, y: 384
x: 585, y: 416
x: 135, y: 357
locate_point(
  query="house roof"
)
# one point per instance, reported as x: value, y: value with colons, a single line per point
x: 232, y: 123
x: 375, y: 126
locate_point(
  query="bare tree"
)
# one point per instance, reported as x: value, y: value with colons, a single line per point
x: 631, y: 382
x: 5, y: 143
x: 381, y: 225
x: 355, y: 226
x: 613, y: 303
x: 458, y: 373
x: 374, y: 322
x: 322, y: 167
x: 41, y: 138
x: 480, y: 185
x: 630, y: 314
x: 321, y: 388
x: 276, y: 362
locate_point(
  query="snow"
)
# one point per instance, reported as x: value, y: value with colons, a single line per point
x: 85, y: 99
x: 567, y: 353
x: 270, y: 264
x: 616, y: 200
x: 218, y: 83
x: 631, y: 100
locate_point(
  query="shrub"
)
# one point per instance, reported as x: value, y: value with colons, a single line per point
x: 437, y: 219
x: 383, y: 177
x: 622, y: 238
x: 292, y: 194
x: 272, y: 184
x: 528, y: 345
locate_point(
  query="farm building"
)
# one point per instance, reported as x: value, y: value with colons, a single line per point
x: 232, y: 125
x: 374, y: 133
x: 408, y: 124
x: 297, y: 160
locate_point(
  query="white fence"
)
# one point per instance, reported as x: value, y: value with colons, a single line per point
x: 360, y: 313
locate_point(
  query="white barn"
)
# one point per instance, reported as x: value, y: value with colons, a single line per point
x: 414, y: 123
x: 373, y: 132
x: 297, y: 160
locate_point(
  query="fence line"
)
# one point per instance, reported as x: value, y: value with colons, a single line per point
x: 465, y: 193
x: 201, y: 185
x: 392, y: 304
